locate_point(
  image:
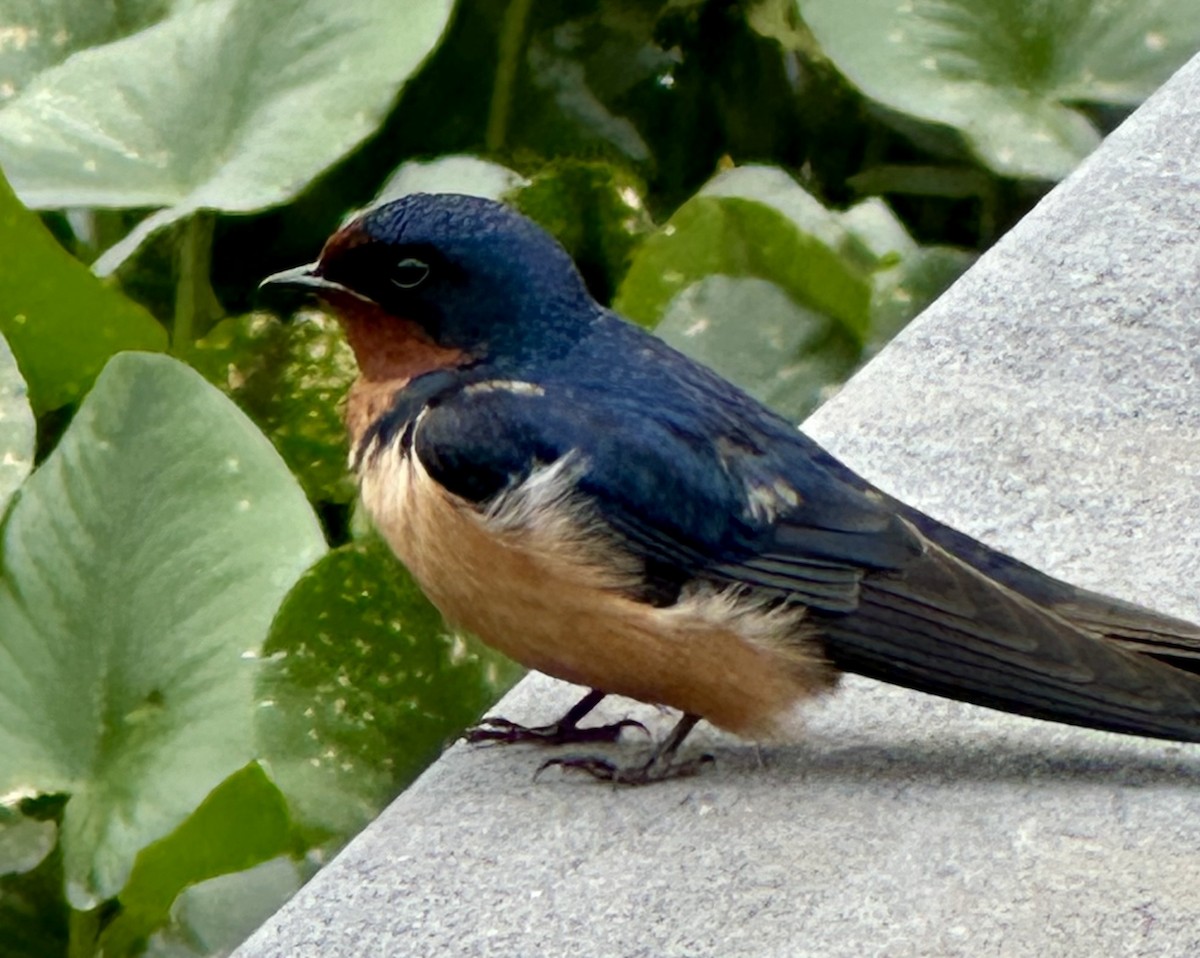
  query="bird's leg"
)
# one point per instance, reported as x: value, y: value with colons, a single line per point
x: 565, y: 731
x: 659, y: 766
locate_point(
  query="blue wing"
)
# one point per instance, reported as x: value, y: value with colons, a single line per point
x: 690, y: 503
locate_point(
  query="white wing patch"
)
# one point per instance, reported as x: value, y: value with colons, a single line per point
x: 767, y: 500
x: 515, y: 386
x: 766, y: 497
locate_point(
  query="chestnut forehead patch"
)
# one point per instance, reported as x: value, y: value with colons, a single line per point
x: 343, y: 241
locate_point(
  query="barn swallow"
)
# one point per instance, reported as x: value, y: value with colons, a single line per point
x: 601, y: 508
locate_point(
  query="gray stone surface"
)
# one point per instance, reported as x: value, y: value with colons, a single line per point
x: 1050, y: 404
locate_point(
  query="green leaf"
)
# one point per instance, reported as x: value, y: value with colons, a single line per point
x: 17, y: 428
x: 905, y: 290
x: 24, y: 842
x: 62, y: 323
x: 451, y: 174
x: 596, y: 210
x: 753, y: 222
x: 775, y: 188
x: 214, y: 917
x: 290, y: 379
x: 42, y: 33
x: 143, y: 563
x: 908, y: 277
x: 231, y: 105
x: 903, y: 277
x: 755, y: 335
x: 1006, y: 75
x: 757, y: 279
x: 363, y: 686
x: 242, y: 823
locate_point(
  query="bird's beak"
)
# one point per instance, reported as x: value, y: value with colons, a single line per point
x: 308, y: 280
x: 306, y: 277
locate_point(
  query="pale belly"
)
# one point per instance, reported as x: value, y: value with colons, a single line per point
x: 547, y: 596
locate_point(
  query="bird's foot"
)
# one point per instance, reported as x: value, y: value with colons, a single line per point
x: 502, y: 731
x: 659, y: 768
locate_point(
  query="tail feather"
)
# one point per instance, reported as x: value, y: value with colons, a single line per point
x: 1135, y: 628
x: 946, y: 626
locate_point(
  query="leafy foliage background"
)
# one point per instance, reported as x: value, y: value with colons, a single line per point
x: 211, y: 672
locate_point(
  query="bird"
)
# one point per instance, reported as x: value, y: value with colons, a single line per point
x: 602, y: 508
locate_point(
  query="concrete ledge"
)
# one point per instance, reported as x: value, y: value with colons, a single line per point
x: 1050, y: 404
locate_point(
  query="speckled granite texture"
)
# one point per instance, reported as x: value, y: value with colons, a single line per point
x: 1050, y: 404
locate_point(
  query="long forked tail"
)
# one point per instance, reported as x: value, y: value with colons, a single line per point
x: 945, y: 626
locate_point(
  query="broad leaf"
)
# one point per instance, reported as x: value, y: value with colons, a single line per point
x: 290, y: 378
x: 16, y: 427
x: 868, y: 238
x: 759, y: 280
x: 143, y: 563
x: 42, y: 33
x: 451, y: 174
x: 755, y: 335
x: 363, y: 686
x: 596, y: 210
x: 907, y: 277
x: 776, y: 188
x: 231, y: 105
x: 753, y: 222
x: 214, y: 917
x: 24, y: 842
x: 243, y: 823
x: 61, y: 322
x: 1006, y: 75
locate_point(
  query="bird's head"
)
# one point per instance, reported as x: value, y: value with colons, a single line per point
x: 437, y: 280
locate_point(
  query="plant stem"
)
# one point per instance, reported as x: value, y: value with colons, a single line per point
x: 82, y: 929
x: 193, y: 294
x: 512, y: 43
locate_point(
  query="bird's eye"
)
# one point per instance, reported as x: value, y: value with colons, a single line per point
x: 410, y: 272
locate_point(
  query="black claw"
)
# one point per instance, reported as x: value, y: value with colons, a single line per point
x: 566, y: 731
x: 502, y: 731
x: 655, y: 770
x: 594, y: 765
